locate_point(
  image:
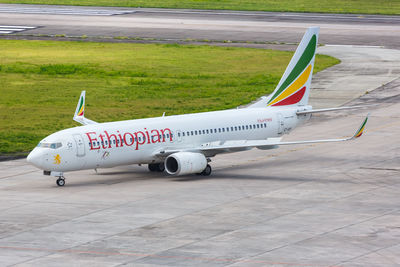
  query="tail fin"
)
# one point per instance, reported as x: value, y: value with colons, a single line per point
x: 79, y: 115
x: 294, y: 86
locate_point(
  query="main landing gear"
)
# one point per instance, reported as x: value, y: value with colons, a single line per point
x: 207, y: 171
x: 157, y: 167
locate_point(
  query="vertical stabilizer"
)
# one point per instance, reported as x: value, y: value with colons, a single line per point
x: 294, y: 86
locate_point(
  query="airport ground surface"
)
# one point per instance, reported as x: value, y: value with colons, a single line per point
x: 310, y: 205
x: 175, y: 25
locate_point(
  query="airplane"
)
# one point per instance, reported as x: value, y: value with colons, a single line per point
x: 184, y: 144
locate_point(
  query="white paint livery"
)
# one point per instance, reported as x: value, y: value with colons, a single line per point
x: 184, y: 144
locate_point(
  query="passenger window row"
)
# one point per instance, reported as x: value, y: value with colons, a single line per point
x: 224, y: 129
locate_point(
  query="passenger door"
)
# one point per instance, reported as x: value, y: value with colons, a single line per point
x: 80, y: 145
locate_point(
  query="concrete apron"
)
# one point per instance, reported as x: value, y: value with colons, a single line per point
x: 363, y: 68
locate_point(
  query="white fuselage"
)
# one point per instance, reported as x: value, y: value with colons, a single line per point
x: 139, y: 141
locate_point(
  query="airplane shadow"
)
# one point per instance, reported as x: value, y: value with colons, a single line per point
x: 106, y: 177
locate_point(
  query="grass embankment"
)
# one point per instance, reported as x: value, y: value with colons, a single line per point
x: 41, y: 82
x: 389, y: 7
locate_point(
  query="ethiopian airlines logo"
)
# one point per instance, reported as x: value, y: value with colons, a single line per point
x: 57, y: 159
x: 104, y: 140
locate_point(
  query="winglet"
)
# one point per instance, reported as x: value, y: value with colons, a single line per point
x: 79, y: 115
x: 360, y: 130
x: 80, y: 108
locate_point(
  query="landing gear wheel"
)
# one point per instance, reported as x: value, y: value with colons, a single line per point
x: 207, y: 171
x: 60, y: 181
x: 152, y: 167
x: 156, y: 167
x: 160, y: 167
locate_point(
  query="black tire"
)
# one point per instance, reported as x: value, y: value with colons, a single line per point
x: 153, y: 167
x: 160, y: 167
x: 207, y: 171
x: 60, y: 182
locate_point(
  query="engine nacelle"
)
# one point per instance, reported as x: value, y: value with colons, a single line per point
x: 182, y: 163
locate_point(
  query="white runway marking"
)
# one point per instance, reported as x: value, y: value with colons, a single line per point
x: 64, y: 11
x: 7, y: 29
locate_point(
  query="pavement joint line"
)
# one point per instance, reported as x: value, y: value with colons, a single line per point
x: 378, y: 184
x: 327, y: 201
x: 328, y: 232
x: 194, y: 212
x: 22, y: 173
x: 71, y: 219
x: 128, y: 253
x: 268, y: 14
x: 370, y: 252
x: 380, y: 169
x: 240, y: 228
x: 356, y: 46
x: 13, y: 26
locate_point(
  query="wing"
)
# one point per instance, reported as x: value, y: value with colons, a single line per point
x: 213, y: 148
x: 79, y: 115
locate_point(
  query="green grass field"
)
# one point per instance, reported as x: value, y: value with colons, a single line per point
x: 391, y: 7
x: 41, y: 82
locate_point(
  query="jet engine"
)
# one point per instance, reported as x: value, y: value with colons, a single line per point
x: 182, y: 163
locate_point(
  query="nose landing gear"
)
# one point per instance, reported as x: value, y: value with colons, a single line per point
x: 61, y: 181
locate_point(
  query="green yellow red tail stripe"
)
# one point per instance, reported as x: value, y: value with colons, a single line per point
x: 81, y: 106
x: 295, y: 82
x: 361, y: 129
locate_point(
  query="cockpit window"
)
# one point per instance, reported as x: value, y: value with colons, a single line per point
x: 50, y: 145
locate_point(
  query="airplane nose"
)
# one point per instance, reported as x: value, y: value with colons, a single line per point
x: 35, y: 158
